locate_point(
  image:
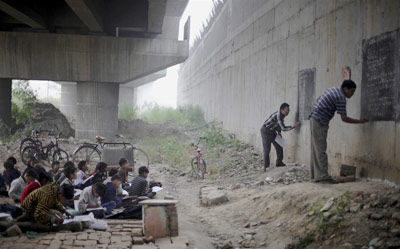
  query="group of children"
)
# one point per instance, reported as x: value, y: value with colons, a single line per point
x: 45, y: 196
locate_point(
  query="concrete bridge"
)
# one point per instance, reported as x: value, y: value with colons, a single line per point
x: 258, y: 54
x: 97, y: 44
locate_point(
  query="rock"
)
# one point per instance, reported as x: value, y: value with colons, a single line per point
x: 393, y: 244
x: 13, y: 230
x: 379, y: 244
x: 328, y: 204
x: 396, y: 216
x: 247, y: 225
x: 354, y: 208
x: 395, y: 232
x: 268, y: 179
x: 227, y: 245
x: 214, y: 197
x: 373, y: 241
x: 236, y: 186
x: 376, y: 216
x: 260, y: 183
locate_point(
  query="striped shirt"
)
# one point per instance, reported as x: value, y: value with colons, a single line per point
x: 139, y: 186
x: 331, y: 101
x: 40, y: 201
x: 275, y: 123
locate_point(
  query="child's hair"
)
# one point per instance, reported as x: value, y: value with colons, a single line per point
x: 112, y: 172
x: 122, y: 161
x: 81, y: 164
x: 99, y: 188
x: 12, y: 159
x: 116, y: 177
x: 69, y: 171
x: 8, y: 165
x: 101, y: 166
x: 55, y: 163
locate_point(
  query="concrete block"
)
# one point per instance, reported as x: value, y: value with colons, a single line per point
x: 214, y: 197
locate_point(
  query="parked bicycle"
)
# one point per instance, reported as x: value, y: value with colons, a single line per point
x: 34, y: 140
x: 199, y: 166
x: 91, y: 152
x: 33, y: 148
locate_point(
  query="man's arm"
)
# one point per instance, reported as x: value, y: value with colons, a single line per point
x: 349, y: 120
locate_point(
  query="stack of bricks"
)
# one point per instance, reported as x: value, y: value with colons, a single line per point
x: 119, y: 234
x: 173, y: 220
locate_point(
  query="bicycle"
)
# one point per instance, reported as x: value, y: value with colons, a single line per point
x: 32, y: 141
x: 52, y: 152
x: 91, y: 152
x: 199, y: 166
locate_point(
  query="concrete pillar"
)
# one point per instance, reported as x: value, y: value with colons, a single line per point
x: 68, y: 98
x: 5, y: 100
x: 97, y: 109
x: 126, y: 96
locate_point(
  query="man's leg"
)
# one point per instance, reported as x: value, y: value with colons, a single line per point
x: 109, y: 206
x: 266, y: 146
x: 279, y: 154
x: 319, y: 156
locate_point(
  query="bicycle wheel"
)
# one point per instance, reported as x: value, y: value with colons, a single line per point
x: 195, y: 169
x: 140, y: 159
x: 61, y: 156
x: 28, y: 153
x: 87, y: 153
x: 28, y: 142
x: 202, y: 168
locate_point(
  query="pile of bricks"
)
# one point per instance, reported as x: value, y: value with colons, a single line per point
x: 119, y: 234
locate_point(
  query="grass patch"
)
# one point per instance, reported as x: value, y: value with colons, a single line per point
x: 127, y: 113
x: 186, y: 116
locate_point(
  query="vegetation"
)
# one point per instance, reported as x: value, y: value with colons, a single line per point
x: 22, y: 95
x: 328, y: 222
x: 186, y: 116
x: 127, y: 113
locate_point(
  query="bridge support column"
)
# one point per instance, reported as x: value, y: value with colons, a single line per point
x: 68, y: 98
x: 97, y: 109
x: 5, y: 100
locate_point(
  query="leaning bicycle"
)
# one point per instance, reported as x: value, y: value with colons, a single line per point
x: 51, y: 152
x: 91, y: 152
x: 199, y: 166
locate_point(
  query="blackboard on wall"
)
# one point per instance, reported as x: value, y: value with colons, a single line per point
x: 381, y: 78
x: 306, y: 92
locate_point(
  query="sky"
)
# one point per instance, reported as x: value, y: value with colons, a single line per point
x: 162, y: 91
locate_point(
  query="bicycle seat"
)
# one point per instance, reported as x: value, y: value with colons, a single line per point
x: 100, y: 138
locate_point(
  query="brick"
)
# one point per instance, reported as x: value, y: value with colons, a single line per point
x: 93, y: 237
x: 60, y: 236
x: 104, y: 234
x: 68, y: 242
x: 137, y: 232
x: 55, y: 244
x: 115, y: 239
x: 137, y: 240
x: 126, y: 238
x: 102, y: 246
x: 45, y: 242
x: 104, y: 241
x: 120, y: 233
x: 85, y: 242
x: 82, y: 236
x: 69, y: 237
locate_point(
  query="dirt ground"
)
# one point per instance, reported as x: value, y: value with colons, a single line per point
x: 271, y: 209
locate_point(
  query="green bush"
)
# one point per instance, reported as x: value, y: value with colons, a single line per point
x: 127, y: 113
x: 187, y: 116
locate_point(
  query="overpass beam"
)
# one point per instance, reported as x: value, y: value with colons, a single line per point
x: 97, y: 109
x: 88, y: 12
x: 24, y: 15
x: 5, y: 100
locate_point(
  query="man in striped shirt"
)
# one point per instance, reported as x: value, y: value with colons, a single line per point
x: 331, y: 101
x: 38, y: 204
x: 271, y: 127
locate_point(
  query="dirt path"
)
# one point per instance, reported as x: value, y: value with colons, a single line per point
x: 261, y: 215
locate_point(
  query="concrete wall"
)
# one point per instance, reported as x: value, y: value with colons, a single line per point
x: 248, y: 64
